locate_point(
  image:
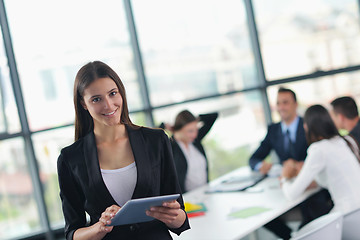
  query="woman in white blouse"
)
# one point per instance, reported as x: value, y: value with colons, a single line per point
x: 332, y: 162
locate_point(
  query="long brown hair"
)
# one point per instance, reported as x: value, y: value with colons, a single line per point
x: 85, y: 76
x: 319, y: 123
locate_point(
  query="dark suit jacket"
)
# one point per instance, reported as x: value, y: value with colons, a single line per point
x: 274, y: 140
x: 356, y: 132
x: 179, y: 157
x: 83, y: 189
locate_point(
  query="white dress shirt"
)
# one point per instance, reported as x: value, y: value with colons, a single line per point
x: 196, y: 175
x: 332, y: 164
x: 292, y: 127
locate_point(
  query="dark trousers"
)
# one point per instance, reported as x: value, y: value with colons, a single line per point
x: 279, y: 228
x: 315, y: 206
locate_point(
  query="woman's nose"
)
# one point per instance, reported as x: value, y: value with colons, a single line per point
x: 107, y: 103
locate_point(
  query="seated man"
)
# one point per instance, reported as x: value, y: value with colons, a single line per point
x: 287, y: 139
x: 346, y: 116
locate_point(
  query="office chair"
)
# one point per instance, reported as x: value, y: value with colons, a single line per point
x: 327, y: 227
x: 351, y: 225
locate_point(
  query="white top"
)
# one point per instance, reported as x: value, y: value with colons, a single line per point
x: 196, y: 167
x: 121, y: 182
x: 332, y: 164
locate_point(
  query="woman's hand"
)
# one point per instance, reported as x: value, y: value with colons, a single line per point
x: 169, y: 213
x: 99, y: 229
x: 106, y: 217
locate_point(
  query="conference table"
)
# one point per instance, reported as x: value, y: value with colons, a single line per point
x: 217, y: 223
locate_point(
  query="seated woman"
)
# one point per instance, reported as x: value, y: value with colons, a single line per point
x: 189, y: 154
x: 332, y: 161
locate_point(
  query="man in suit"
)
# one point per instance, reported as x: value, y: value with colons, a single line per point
x: 346, y: 116
x: 287, y: 139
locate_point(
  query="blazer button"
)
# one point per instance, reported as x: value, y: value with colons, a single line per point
x: 132, y: 228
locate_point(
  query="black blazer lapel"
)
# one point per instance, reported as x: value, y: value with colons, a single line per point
x: 93, y: 168
x: 142, y: 160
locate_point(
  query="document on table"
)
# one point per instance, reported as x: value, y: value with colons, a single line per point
x: 247, y: 212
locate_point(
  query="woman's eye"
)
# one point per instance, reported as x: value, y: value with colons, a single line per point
x: 95, y: 99
x: 113, y: 93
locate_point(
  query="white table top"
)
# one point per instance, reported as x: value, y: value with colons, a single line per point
x: 216, y: 224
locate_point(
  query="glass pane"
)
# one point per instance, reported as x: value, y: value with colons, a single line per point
x: 319, y: 91
x: 299, y: 37
x: 9, y: 118
x: 138, y: 118
x: 194, y: 48
x: 18, y: 210
x: 47, y: 149
x: 64, y: 36
x: 235, y: 134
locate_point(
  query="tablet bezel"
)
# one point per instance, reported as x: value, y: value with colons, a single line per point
x: 134, y: 210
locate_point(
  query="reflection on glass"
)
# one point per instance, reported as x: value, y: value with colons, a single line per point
x: 319, y: 91
x: 299, y: 37
x: 194, y: 48
x: 237, y: 131
x: 47, y: 149
x: 9, y: 120
x: 18, y: 210
x: 63, y: 37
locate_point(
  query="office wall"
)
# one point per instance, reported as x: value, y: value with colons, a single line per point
x: 225, y: 56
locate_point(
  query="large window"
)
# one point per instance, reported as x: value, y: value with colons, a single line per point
x: 61, y: 36
x: 299, y: 37
x: 47, y: 148
x: 196, y: 55
x: 18, y: 209
x: 9, y: 118
x: 238, y: 129
x: 320, y: 91
x: 194, y: 48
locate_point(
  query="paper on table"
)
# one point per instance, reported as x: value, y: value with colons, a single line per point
x: 248, y: 212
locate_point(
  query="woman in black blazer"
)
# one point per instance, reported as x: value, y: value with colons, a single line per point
x: 106, y: 140
x: 186, y: 143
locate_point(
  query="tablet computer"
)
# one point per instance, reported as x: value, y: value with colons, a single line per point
x: 134, y: 210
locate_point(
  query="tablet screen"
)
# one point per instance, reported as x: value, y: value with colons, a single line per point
x: 134, y: 210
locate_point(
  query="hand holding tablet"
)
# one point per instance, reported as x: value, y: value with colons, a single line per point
x: 134, y: 210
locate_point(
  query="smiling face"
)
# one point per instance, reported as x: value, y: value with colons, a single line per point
x: 286, y: 106
x: 103, y: 101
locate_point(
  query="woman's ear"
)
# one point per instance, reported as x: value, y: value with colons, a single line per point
x: 83, y: 104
